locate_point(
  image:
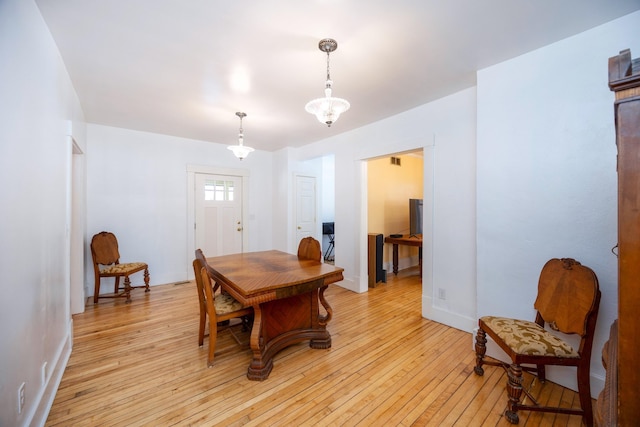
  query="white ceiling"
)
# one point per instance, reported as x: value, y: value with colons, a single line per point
x: 169, y: 66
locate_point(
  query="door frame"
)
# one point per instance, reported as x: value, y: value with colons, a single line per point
x: 76, y: 227
x: 192, y: 170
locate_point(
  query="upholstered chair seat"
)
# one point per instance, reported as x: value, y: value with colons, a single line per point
x: 129, y: 267
x: 225, y: 303
x: 524, y: 337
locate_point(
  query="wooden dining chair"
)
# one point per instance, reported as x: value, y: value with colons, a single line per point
x: 218, y: 306
x: 309, y: 248
x: 568, y: 300
x: 106, y: 263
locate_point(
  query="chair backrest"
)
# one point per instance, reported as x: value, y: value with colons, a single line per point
x: 203, y: 283
x: 209, y: 298
x: 104, y: 249
x: 309, y: 248
x: 568, y: 296
x: 202, y: 260
x: 200, y: 257
x: 197, y: 267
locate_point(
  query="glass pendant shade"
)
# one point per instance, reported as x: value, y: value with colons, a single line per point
x: 328, y: 109
x: 240, y: 151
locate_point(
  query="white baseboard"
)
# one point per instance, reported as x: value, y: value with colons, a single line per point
x: 350, y: 284
x: 441, y: 315
x: 48, y: 391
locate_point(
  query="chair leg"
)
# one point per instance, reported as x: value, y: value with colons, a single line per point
x: 146, y: 281
x: 96, y: 292
x: 481, y: 349
x: 584, y: 392
x: 213, y: 335
x: 127, y: 288
x: 247, y: 321
x: 514, y: 390
x: 542, y: 373
x: 116, y: 285
x: 203, y: 319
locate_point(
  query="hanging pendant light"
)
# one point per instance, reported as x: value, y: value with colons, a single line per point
x: 241, y: 151
x: 328, y: 109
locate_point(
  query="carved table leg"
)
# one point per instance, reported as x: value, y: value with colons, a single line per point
x: 324, y: 320
x: 258, y: 369
x: 321, y: 337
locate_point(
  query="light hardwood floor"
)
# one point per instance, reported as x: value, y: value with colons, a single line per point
x: 139, y: 364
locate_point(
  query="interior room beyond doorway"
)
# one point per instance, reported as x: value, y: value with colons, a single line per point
x: 392, y: 181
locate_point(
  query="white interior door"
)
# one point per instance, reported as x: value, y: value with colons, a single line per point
x: 218, y: 214
x: 305, y: 207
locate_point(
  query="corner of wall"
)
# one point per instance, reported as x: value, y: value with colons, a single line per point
x: 350, y: 284
x: 445, y: 317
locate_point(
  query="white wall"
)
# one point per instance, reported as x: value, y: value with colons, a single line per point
x: 137, y: 188
x: 38, y: 106
x: 547, y: 173
x: 446, y: 130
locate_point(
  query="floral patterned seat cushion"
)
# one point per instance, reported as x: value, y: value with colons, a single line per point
x: 122, y: 268
x: 225, y: 303
x: 528, y: 338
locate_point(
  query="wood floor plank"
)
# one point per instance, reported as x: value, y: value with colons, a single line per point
x: 483, y: 390
x: 139, y: 364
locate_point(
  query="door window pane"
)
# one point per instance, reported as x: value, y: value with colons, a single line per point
x: 218, y: 190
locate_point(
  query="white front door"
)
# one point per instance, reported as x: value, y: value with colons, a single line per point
x: 305, y: 207
x: 218, y: 214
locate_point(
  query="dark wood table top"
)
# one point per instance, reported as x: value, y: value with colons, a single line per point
x: 405, y: 240
x: 254, y: 277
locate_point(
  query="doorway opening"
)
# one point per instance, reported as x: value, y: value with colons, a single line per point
x: 392, y: 181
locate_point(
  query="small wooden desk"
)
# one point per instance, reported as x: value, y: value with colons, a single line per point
x: 407, y: 241
x: 285, y: 293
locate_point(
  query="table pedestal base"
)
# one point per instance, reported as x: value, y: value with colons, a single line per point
x: 283, y: 322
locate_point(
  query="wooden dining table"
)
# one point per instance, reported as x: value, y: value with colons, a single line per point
x: 286, y: 294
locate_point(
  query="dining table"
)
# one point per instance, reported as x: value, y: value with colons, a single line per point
x: 286, y: 294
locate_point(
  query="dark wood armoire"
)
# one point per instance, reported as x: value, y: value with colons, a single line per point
x: 618, y: 403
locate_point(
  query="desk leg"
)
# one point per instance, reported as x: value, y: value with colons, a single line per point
x: 420, y: 259
x: 395, y: 259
